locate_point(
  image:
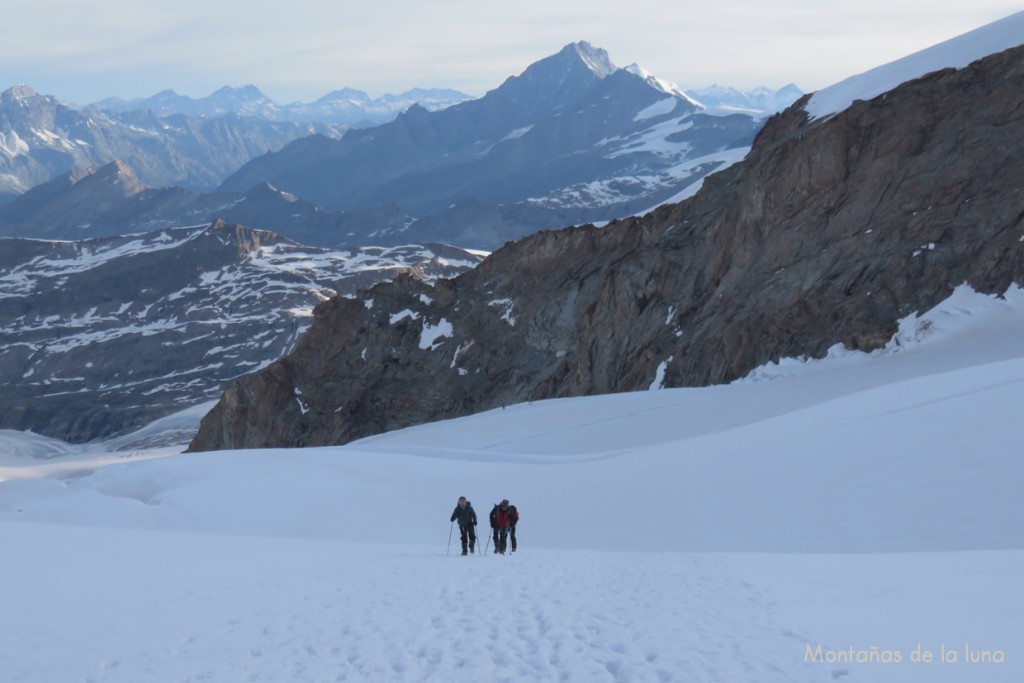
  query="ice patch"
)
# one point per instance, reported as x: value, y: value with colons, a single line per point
x: 659, y: 108
x: 432, y: 333
x: 659, y: 375
x: 402, y: 315
x: 517, y: 133
x: 507, y: 314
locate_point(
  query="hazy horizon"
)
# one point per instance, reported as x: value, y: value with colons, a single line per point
x: 83, y: 54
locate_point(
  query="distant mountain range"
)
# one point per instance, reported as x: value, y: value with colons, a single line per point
x: 759, y: 101
x: 100, y: 336
x: 345, y: 107
x: 573, y: 139
x: 41, y: 138
x: 169, y: 139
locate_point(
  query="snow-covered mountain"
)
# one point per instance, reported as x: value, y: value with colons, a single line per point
x: 41, y: 137
x: 344, y: 107
x: 818, y: 522
x: 100, y: 336
x: 759, y: 101
x: 572, y: 139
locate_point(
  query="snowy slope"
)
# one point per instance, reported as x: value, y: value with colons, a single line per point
x: 955, y: 53
x: 718, y: 534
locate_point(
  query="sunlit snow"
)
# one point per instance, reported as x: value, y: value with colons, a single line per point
x: 955, y: 53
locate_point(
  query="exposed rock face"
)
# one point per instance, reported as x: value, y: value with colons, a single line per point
x: 828, y: 232
x: 101, y: 336
x: 72, y: 202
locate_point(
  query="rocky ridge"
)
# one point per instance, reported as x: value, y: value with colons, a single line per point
x: 110, y: 200
x: 829, y: 232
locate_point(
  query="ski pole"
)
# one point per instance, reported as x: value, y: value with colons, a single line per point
x: 488, y: 544
x: 450, y: 530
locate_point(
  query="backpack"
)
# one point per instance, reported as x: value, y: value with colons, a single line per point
x: 513, y: 514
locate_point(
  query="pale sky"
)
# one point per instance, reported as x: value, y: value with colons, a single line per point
x: 302, y: 49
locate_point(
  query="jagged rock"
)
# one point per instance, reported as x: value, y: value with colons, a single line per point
x: 827, y: 233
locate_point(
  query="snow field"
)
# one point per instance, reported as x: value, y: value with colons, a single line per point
x: 857, y: 506
x: 202, y: 607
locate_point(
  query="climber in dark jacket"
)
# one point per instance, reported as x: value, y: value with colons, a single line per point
x: 466, y: 516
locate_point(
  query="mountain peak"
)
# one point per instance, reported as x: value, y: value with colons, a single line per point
x: 247, y: 92
x: 561, y: 77
x: 116, y: 171
x: 575, y: 60
x: 20, y: 92
x: 594, y: 58
x: 119, y: 168
x: 345, y: 94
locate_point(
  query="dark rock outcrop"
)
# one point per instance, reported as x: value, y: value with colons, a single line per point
x: 829, y: 232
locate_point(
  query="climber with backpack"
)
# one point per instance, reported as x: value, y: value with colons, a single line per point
x: 503, y: 521
x: 466, y: 516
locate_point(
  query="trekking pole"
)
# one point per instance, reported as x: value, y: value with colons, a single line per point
x: 450, y: 530
x: 487, y: 545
